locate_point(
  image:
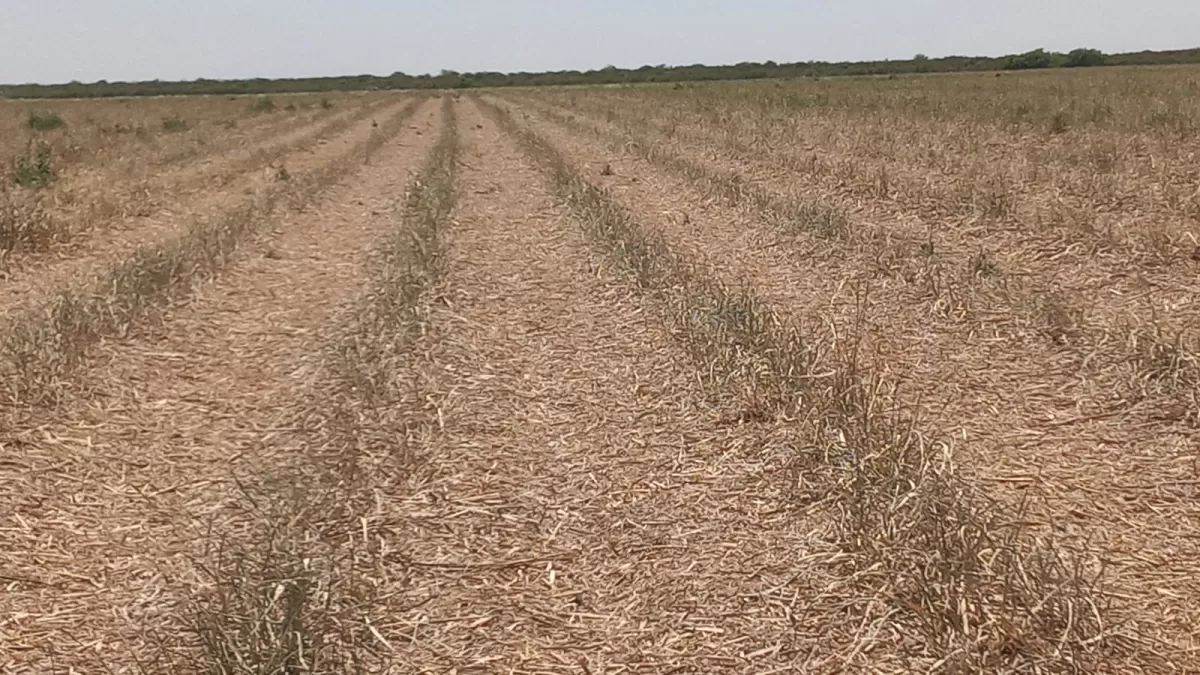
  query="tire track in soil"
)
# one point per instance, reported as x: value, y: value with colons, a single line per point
x: 106, y: 499
x: 1126, y: 488
x: 584, y: 509
x: 39, y: 276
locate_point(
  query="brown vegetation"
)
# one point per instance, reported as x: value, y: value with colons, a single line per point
x: 863, y: 376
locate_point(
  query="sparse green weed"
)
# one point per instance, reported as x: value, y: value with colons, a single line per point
x: 264, y: 104
x: 35, y: 169
x: 46, y: 121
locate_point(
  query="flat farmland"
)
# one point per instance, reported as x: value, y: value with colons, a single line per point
x: 828, y: 375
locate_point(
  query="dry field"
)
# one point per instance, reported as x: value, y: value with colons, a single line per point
x: 878, y: 375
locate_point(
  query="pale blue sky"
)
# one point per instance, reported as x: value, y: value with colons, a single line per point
x: 87, y: 40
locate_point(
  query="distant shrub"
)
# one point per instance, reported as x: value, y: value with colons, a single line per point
x: 1083, y: 58
x: 173, y: 125
x: 48, y: 121
x: 1038, y: 58
x: 263, y: 104
x: 35, y: 170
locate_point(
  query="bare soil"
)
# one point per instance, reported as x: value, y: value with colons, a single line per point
x: 585, y: 509
x: 580, y: 501
x: 111, y: 499
x: 1112, y: 477
x: 32, y: 279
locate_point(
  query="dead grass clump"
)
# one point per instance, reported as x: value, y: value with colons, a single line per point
x: 1058, y: 318
x: 298, y: 588
x: 820, y: 220
x: 1162, y: 362
x: 983, y: 265
x: 25, y: 223
x: 996, y: 198
x: 405, y: 270
x: 263, y: 104
x: 289, y: 594
x: 972, y: 590
x: 958, y: 570
x: 1060, y: 123
x: 1171, y: 120
x: 175, y: 125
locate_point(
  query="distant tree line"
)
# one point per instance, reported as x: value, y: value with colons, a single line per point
x: 447, y: 79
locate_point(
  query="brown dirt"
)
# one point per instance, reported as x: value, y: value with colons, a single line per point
x: 583, y: 506
x: 1029, y: 423
x: 943, y: 166
x: 27, y: 284
x: 107, y: 500
x: 206, y: 143
x: 85, y: 202
x: 90, y: 136
x: 1115, y: 286
x: 584, y: 509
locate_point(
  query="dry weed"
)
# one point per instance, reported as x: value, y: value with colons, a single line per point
x: 983, y: 291
x: 40, y: 348
x: 51, y: 211
x: 297, y: 590
x: 975, y: 592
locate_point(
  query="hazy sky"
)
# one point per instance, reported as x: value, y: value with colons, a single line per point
x: 87, y: 40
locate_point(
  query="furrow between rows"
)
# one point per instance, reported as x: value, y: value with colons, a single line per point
x: 118, y: 500
x: 904, y: 511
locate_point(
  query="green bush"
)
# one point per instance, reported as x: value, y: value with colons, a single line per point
x: 264, y: 104
x: 1083, y: 58
x: 1038, y: 58
x: 48, y: 121
x: 36, y: 170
